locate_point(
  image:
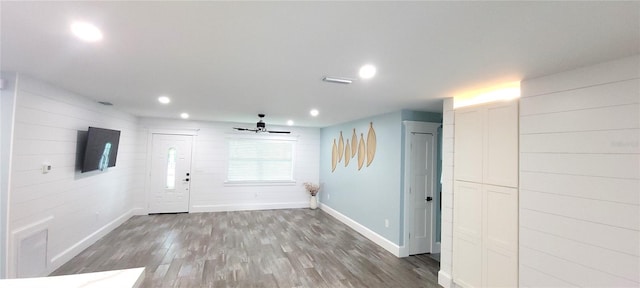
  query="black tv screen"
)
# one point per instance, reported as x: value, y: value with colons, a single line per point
x: 101, y: 149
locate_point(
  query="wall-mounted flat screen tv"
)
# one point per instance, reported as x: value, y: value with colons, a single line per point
x: 101, y: 150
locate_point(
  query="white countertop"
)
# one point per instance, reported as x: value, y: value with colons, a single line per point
x: 107, y: 279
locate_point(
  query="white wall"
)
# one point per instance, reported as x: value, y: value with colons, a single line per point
x: 209, y: 168
x: 85, y: 206
x: 446, y: 244
x: 7, y: 97
x: 579, y: 177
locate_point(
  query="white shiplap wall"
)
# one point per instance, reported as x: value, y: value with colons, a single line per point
x: 208, y: 191
x: 446, y: 248
x: 579, y: 177
x: 7, y: 97
x: 84, y: 206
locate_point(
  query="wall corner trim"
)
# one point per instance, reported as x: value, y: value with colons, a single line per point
x: 444, y: 279
x: 139, y: 211
x: 366, y: 232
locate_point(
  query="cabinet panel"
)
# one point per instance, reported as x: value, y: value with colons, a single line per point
x: 467, y: 231
x: 501, y: 269
x: 467, y: 217
x: 468, y: 144
x: 467, y: 262
x: 500, y: 160
x: 500, y: 236
x: 500, y: 227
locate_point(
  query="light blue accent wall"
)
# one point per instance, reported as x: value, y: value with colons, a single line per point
x: 374, y: 193
x: 371, y: 195
x: 410, y: 115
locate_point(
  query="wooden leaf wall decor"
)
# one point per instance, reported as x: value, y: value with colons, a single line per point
x: 334, y: 156
x: 364, y: 150
x: 371, y: 144
x: 361, y: 152
x: 340, y: 147
x: 354, y: 143
x: 347, y: 154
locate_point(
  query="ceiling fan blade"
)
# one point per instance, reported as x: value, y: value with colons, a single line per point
x: 245, y: 129
x: 279, y: 132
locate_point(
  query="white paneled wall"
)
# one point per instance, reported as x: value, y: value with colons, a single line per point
x: 209, y: 168
x: 7, y: 97
x: 580, y: 177
x: 446, y: 248
x: 84, y: 206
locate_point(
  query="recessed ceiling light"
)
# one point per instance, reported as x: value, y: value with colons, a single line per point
x: 86, y: 31
x: 367, y: 71
x: 290, y: 122
x: 164, y: 99
x: 184, y: 115
x: 314, y: 112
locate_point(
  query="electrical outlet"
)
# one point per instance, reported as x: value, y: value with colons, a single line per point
x: 46, y: 168
x: 386, y: 223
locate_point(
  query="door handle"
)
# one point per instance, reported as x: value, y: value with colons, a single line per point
x: 429, y: 198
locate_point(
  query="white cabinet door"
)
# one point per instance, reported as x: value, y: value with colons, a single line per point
x: 468, y: 144
x: 485, y: 223
x: 500, y: 145
x: 467, y: 234
x: 500, y: 236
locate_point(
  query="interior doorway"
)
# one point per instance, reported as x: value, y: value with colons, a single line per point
x: 422, y: 195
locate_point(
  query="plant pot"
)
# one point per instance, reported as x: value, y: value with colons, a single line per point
x: 313, y: 202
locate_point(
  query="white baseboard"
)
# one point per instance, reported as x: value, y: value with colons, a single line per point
x: 444, y: 279
x: 403, y: 251
x: 75, y: 249
x: 247, y: 207
x: 366, y: 232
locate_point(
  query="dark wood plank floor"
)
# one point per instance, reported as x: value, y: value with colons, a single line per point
x: 272, y: 248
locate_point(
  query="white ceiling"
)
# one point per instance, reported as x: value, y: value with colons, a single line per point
x: 228, y: 61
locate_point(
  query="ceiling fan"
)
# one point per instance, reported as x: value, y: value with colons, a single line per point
x: 261, y: 127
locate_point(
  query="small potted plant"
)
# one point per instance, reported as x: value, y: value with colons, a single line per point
x: 313, y: 190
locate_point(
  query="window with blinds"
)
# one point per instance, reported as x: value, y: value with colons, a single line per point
x: 260, y: 160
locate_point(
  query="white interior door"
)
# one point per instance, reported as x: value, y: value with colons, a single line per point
x: 170, y: 173
x: 421, y: 193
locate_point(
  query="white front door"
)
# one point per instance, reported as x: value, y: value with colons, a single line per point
x: 421, y: 193
x: 170, y: 173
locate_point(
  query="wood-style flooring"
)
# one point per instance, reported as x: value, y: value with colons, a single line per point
x: 271, y: 248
